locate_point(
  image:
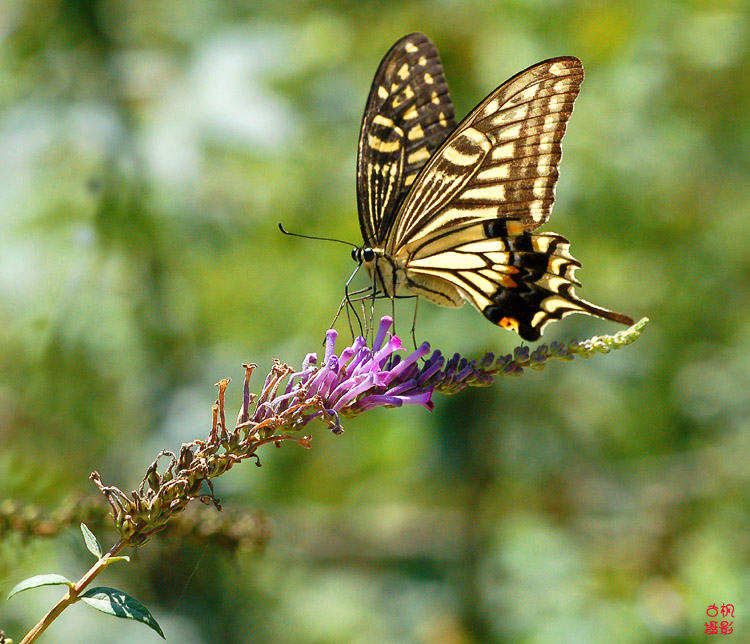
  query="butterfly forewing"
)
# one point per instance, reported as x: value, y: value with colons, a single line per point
x: 408, y: 115
x: 502, y: 160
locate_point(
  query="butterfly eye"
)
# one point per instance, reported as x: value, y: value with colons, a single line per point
x: 368, y: 254
x: 355, y: 254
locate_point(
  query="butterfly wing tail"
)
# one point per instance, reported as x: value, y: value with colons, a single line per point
x: 539, y: 287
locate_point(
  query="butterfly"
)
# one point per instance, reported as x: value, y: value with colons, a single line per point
x: 448, y: 212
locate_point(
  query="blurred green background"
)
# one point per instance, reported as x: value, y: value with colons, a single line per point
x: 148, y: 149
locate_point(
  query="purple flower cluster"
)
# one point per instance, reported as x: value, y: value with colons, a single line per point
x: 361, y: 377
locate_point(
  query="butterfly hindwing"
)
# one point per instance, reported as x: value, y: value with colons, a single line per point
x: 519, y: 280
x: 408, y: 115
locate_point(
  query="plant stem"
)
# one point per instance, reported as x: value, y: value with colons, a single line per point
x: 72, y: 595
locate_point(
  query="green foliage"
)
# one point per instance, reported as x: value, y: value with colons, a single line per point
x: 119, y: 604
x: 91, y: 542
x: 38, y: 581
x: 107, y: 600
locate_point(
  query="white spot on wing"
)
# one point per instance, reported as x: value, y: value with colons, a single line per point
x: 490, y: 108
x: 459, y: 158
x: 473, y: 141
x: 507, y: 116
x: 499, y: 258
x: 540, y: 187
x: 537, y: 210
x: 503, y: 152
x: 526, y: 95
x: 483, y: 246
x: 416, y: 133
x: 420, y: 155
x: 538, y: 318
x: 492, y: 193
x: 494, y: 173
x: 449, y: 259
x: 482, y: 283
x: 560, y: 266
x: 553, y: 304
x: 557, y: 69
x: 450, y: 215
x: 541, y: 243
x: 554, y: 283
x: 507, y: 132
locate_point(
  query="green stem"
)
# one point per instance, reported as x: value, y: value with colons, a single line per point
x: 72, y: 596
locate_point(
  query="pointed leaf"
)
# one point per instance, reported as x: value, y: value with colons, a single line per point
x: 119, y: 604
x: 92, y: 542
x: 118, y: 558
x: 40, y: 580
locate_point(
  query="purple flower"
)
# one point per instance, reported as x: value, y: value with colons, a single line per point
x: 361, y: 378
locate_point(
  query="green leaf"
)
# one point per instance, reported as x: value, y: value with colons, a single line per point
x: 40, y: 580
x: 119, y: 604
x: 120, y: 558
x: 91, y: 541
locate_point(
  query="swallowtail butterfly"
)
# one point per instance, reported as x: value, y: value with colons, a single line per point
x: 449, y: 212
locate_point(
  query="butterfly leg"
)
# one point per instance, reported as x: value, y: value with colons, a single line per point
x: 338, y: 313
x: 348, y: 301
x: 414, y: 323
x: 393, y: 313
x: 414, y: 320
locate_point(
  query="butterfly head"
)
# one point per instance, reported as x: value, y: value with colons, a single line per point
x: 363, y: 255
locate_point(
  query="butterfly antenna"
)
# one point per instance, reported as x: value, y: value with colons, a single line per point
x: 340, y: 241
